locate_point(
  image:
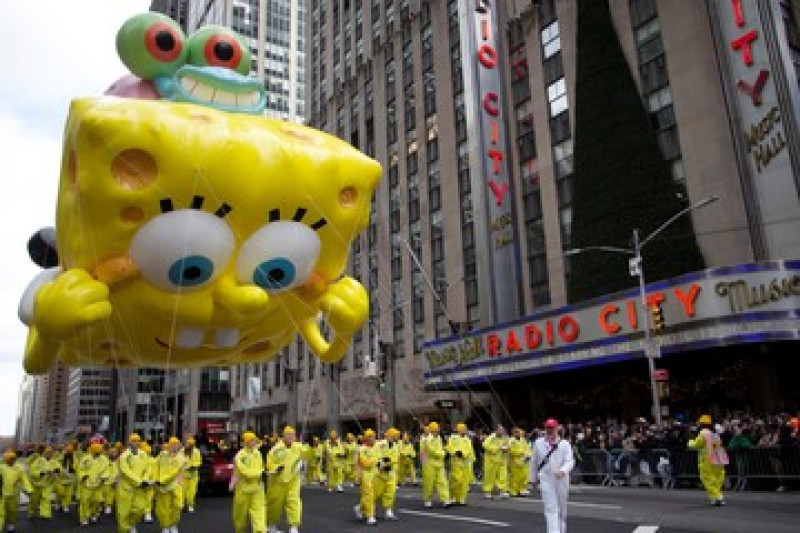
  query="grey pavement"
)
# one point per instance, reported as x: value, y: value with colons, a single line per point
x: 592, y: 510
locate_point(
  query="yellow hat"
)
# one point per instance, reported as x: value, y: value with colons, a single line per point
x: 146, y: 447
x: 249, y: 437
x: 9, y: 454
x: 333, y: 433
x: 173, y: 440
x: 369, y: 433
x: 704, y: 420
x: 350, y: 436
x: 96, y: 447
x: 134, y: 438
x: 461, y: 427
x: 190, y: 441
x: 392, y: 432
x: 288, y: 429
x: 433, y: 426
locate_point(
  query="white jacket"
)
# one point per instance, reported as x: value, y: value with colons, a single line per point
x: 561, y: 460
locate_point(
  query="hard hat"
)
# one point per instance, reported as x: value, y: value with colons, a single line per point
x: 146, y: 447
x: 461, y: 427
x: 433, y: 426
x: 96, y: 447
x: 249, y: 437
x: 173, y: 440
x: 190, y: 441
x: 9, y: 454
x: 392, y: 432
x: 333, y: 434
x: 134, y: 438
x: 369, y: 433
x: 551, y: 423
x: 704, y: 420
x: 288, y: 429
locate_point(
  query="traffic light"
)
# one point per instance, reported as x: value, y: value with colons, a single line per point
x: 658, y: 318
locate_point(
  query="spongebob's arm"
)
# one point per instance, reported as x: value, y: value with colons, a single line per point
x: 74, y: 299
x: 345, y: 305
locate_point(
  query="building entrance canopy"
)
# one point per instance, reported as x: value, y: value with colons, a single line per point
x: 754, y: 302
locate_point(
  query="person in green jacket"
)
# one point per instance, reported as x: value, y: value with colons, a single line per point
x: 13, y: 481
x: 711, y: 459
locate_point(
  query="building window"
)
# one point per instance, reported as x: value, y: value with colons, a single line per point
x: 551, y: 40
x: 557, y: 96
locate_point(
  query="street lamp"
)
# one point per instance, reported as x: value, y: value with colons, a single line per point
x: 651, y: 347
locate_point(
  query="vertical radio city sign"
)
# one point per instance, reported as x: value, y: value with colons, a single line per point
x: 496, y: 187
x: 756, y: 80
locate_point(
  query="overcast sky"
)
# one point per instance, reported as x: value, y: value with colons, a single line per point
x: 53, y: 51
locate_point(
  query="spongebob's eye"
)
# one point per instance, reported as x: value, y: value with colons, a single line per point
x: 279, y: 256
x: 182, y: 249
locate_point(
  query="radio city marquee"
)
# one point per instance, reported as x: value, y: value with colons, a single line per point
x: 721, y: 306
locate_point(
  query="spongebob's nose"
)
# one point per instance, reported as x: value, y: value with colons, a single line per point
x: 240, y: 298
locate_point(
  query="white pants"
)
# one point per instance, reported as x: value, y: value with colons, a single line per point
x: 554, y: 497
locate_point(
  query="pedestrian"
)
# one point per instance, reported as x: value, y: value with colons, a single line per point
x: 111, y: 478
x: 249, y: 503
x: 43, y: 478
x: 65, y: 482
x: 462, y: 456
x: 313, y: 459
x: 367, y: 469
x: 149, y: 490
x: 90, y: 473
x: 386, y: 478
x: 432, y: 454
x: 13, y: 481
x: 285, y: 477
x: 554, y: 461
x: 495, y: 463
x: 168, y: 476
x: 131, y: 496
x: 191, y: 476
x: 334, y: 456
x: 711, y: 459
x: 519, y: 457
x: 405, y: 466
x: 351, y: 449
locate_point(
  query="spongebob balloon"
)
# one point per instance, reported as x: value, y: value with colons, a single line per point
x: 190, y: 230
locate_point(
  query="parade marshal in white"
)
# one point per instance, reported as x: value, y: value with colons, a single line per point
x: 552, y: 462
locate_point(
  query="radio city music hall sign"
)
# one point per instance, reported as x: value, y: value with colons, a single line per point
x: 765, y: 136
x: 713, y: 295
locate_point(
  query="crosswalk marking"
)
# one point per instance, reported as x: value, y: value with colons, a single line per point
x: 646, y: 529
x: 455, y: 518
x: 588, y: 505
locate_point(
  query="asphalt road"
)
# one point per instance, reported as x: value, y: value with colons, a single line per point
x: 592, y: 510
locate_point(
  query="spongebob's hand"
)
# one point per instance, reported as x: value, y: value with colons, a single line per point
x: 345, y: 305
x: 73, y: 300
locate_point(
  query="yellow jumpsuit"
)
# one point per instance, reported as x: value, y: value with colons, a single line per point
x: 110, y: 484
x: 285, y: 469
x: 65, y: 484
x: 15, y: 480
x: 712, y: 476
x: 131, y: 495
x: 313, y: 458
x: 495, y: 464
x: 405, y: 466
x: 462, y: 456
x: 249, y: 505
x: 386, y: 478
x: 368, y: 457
x: 432, y: 453
x: 335, y: 457
x: 191, y: 477
x: 169, y: 492
x: 77, y: 455
x: 90, y: 476
x: 351, y: 449
x: 43, y: 479
x: 519, y: 457
x: 150, y: 490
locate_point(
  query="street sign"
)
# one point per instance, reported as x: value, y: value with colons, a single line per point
x: 447, y: 404
x: 661, y: 374
x: 635, y: 266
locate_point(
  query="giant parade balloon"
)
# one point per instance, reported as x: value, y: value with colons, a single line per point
x: 190, y: 229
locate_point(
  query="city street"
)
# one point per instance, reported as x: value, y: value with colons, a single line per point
x: 592, y: 510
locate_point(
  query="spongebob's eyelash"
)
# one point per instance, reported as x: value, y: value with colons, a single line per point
x: 197, y: 203
x: 275, y: 215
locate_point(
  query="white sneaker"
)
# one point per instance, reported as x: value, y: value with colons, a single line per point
x: 132, y: 530
x: 488, y: 496
x: 167, y: 530
x: 294, y: 529
x: 108, y: 509
x: 174, y: 529
x: 525, y: 492
x: 503, y: 495
x: 428, y: 504
x: 148, y: 518
x: 357, y: 511
x: 371, y: 521
x: 390, y: 515
x: 93, y: 519
x: 339, y: 489
x: 190, y: 509
x: 65, y: 509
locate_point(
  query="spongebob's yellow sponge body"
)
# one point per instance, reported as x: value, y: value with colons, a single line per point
x: 188, y: 237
